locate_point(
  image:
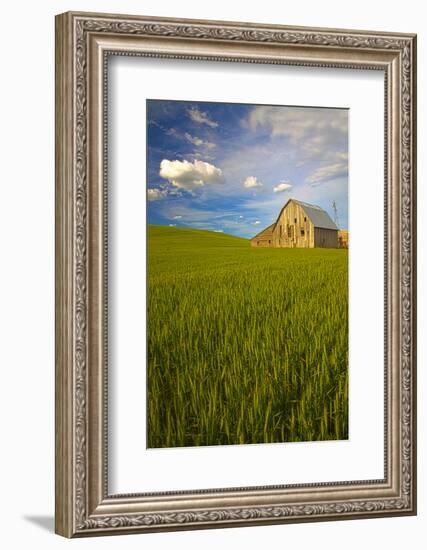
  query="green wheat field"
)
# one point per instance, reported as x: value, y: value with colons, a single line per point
x: 245, y: 345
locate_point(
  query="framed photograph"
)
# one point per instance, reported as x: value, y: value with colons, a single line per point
x: 235, y: 274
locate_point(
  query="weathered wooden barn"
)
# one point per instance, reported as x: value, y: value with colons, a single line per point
x: 299, y: 225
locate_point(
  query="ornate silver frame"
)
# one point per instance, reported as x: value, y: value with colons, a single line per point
x: 83, y: 42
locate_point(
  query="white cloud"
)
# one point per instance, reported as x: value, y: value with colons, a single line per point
x: 194, y: 140
x: 282, y: 186
x: 198, y: 142
x: 327, y: 173
x: 190, y: 175
x: 177, y: 217
x: 298, y: 123
x: 218, y: 230
x: 201, y: 117
x: 312, y: 133
x: 342, y: 156
x: 156, y: 194
x: 257, y: 222
x: 240, y: 217
x: 251, y: 182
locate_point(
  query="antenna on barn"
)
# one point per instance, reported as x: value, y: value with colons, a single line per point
x: 336, y: 221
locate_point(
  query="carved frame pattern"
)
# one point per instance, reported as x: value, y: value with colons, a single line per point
x: 77, y: 510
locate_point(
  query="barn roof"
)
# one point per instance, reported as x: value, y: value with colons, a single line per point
x: 317, y: 215
x: 269, y: 228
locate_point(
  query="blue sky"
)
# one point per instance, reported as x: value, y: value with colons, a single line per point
x: 231, y: 167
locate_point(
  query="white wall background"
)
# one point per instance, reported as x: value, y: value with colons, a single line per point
x: 27, y: 274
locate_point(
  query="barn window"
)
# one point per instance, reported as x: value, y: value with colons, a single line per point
x: 289, y: 231
x: 280, y: 231
x: 269, y: 242
x: 302, y: 232
x: 295, y: 220
x: 257, y: 242
x: 305, y: 218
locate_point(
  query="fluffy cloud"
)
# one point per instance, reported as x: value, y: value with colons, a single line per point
x: 177, y: 217
x: 190, y: 175
x: 198, y: 142
x: 282, y: 186
x: 155, y: 194
x: 327, y: 173
x: 201, y: 117
x: 257, y: 222
x: 251, y: 182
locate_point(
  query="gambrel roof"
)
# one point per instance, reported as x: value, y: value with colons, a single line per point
x: 317, y: 216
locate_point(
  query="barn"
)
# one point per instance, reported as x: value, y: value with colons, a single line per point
x: 299, y: 225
